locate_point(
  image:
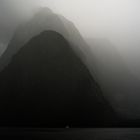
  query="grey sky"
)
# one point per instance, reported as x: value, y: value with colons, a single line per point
x: 116, y: 20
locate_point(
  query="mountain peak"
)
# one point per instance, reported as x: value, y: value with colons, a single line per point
x: 43, y: 11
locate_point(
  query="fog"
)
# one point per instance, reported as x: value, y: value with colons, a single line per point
x: 115, y: 20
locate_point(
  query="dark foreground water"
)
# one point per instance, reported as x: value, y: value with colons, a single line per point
x: 71, y: 134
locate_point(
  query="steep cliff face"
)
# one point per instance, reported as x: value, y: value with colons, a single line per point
x: 47, y: 84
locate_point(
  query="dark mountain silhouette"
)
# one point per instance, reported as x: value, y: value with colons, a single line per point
x: 47, y: 84
x: 115, y: 78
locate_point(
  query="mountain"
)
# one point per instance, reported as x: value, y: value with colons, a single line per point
x: 45, y: 19
x: 115, y: 78
x: 47, y: 84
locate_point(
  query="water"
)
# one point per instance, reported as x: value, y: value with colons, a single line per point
x: 73, y: 134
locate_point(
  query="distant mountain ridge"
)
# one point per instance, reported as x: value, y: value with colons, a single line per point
x: 45, y: 19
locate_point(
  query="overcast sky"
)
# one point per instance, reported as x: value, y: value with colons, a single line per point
x: 116, y: 20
